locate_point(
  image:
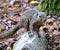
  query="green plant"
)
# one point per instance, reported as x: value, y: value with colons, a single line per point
x: 49, y: 6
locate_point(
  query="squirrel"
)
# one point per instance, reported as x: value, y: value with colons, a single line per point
x: 30, y: 19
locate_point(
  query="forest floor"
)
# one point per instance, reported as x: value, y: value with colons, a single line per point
x: 10, y: 16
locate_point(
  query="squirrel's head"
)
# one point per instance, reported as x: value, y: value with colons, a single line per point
x: 42, y: 16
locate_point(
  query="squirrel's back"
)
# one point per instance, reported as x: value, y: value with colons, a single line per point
x: 29, y: 12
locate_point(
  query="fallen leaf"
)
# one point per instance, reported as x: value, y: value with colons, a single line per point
x: 4, y: 9
x: 9, y: 48
x: 34, y: 2
x: 47, y: 25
